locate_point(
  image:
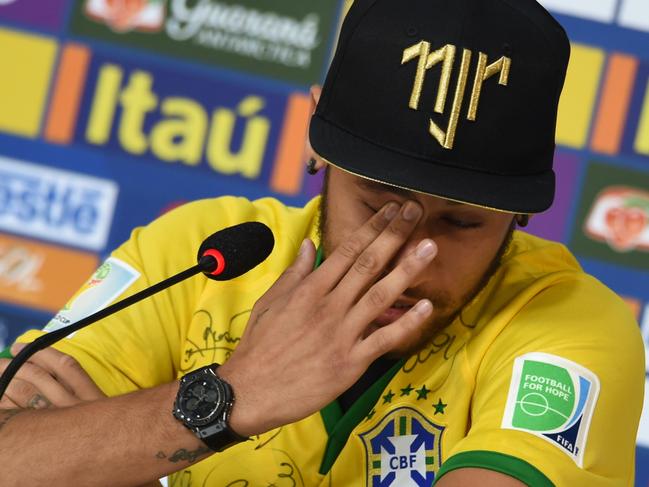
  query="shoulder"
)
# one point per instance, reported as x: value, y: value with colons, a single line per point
x: 542, y: 301
x: 561, y: 342
x: 562, y: 301
x: 528, y: 255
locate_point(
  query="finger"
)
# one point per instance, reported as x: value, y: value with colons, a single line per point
x: 4, y: 363
x: 58, y: 375
x: 344, y: 256
x: 68, y: 375
x: 25, y: 395
x: 42, y: 381
x: 386, y: 291
x: 371, y: 263
x: 7, y: 403
x: 17, y: 347
x: 401, y: 334
x: 294, y: 274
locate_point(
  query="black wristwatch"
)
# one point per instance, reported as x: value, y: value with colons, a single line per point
x: 203, y: 404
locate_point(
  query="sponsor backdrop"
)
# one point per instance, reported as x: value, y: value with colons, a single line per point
x: 114, y: 111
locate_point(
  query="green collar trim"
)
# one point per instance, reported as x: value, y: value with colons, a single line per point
x: 339, y: 426
x: 319, y: 257
x: 498, y: 462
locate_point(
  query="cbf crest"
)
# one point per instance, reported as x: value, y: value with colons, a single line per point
x: 403, y: 450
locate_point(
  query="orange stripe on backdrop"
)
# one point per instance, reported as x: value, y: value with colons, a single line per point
x: 68, y: 89
x: 635, y: 305
x: 288, y: 172
x: 40, y: 275
x: 614, y: 105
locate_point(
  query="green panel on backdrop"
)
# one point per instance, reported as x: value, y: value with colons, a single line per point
x: 284, y: 39
x: 613, y: 216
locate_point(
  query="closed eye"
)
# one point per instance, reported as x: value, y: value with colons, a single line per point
x: 459, y: 223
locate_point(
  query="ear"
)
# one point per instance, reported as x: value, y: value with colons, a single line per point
x: 523, y: 220
x: 309, y: 153
x: 315, y: 91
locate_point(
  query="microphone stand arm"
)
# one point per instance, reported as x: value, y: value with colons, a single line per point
x: 206, y: 263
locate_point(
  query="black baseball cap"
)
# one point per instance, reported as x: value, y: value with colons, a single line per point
x: 453, y: 98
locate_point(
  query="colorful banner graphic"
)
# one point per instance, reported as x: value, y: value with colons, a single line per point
x: 114, y: 111
x: 24, y: 86
x: 284, y: 39
x: 41, y: 276
x: 614, y: 212
x: 59, y: 206
x: 41, y: 14
x: 14, y: 321
x: 553, y: 223
x: 155, y: 115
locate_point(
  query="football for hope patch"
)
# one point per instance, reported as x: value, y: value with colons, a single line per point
x: 552, y: 398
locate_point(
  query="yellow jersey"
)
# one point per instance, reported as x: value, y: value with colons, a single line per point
x: 541, y: 376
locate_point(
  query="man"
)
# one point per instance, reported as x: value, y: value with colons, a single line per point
x: 431, y: 343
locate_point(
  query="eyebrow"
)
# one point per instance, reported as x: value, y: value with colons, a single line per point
x: 376, y: 187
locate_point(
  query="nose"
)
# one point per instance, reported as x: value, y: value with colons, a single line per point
x: 409, y: 248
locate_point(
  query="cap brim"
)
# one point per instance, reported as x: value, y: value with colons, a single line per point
x: 512, y: 194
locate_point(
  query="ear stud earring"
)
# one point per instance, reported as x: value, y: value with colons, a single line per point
x: 522, y: 220
x: 310, y: 167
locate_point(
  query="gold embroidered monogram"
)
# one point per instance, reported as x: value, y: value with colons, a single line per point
x: 446, y: 56
x: 483, y: 73
x: 427, y: 60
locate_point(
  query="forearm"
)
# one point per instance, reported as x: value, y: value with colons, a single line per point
x: 127, y: 440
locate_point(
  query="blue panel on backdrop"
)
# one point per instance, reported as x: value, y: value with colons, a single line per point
x: 151, y: 113
x: 144, y: 190
x: 642, y: 467
x: 15, y: 320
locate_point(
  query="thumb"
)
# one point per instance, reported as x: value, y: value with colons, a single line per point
x: 294, y: 274
x: 399, y: 336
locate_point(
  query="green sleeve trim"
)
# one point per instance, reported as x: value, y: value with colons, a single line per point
x: 340, y: 426
x: 498, y: 462
x: 6, y: 353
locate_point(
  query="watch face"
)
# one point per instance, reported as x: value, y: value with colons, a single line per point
x: 200, y: 401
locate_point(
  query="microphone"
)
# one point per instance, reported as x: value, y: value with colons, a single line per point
x: 224, y: 255
x: 237, y: 249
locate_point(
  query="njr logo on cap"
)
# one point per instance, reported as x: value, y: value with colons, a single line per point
x: 446, y: 55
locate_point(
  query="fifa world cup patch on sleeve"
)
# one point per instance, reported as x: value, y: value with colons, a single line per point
x: 552, y: 398
x: 108, y: 282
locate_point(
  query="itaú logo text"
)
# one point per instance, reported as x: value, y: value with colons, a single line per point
x: 633, y: 14
x: 180, y: 128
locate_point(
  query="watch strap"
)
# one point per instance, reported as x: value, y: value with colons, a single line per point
x: 219, y: 436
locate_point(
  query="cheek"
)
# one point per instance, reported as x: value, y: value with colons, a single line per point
x: 458, y: 268
x: 340, y: 224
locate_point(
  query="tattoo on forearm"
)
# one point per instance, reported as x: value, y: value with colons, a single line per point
x: 184, y: 455
x: 7, y: 415
x: 39, y: 401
